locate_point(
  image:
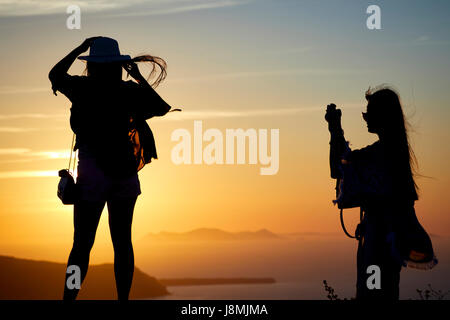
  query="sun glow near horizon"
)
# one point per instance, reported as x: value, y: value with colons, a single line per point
x: 256, y: 64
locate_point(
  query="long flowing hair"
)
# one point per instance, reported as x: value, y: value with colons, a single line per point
x: 385, y: 104
x: 156, y: 63
x: 114, y: 70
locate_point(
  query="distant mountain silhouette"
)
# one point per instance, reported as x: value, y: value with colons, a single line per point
x: 213, y: 234
x: 213, y: 281
x: 310, y: 234
x: 29, y: 279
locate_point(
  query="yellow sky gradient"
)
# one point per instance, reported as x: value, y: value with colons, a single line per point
x: 229, y: 76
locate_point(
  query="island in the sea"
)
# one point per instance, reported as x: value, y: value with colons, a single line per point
x: 24, y: 279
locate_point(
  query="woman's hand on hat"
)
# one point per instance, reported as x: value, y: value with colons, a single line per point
x: 132, y: 69
x: 86, y: 44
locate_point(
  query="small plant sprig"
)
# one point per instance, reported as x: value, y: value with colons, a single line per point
x: 331, y: 295
x: 426, y: 294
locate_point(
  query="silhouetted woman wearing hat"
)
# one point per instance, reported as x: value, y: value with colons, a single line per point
x: 390, y: 236
x: 103, y: 107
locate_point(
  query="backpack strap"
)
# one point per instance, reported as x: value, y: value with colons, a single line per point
x: 357, y: 235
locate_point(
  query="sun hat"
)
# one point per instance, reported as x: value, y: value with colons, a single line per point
x: 104, y: 50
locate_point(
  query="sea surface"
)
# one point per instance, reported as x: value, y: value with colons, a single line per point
x: 299, y: 267
x: 273, y: 291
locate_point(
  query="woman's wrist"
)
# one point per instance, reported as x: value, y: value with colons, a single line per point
x: 77, y: 51
x: 335, y: 128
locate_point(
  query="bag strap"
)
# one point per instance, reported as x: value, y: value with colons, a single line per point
x: 357, y: 235
x: 72, y: 153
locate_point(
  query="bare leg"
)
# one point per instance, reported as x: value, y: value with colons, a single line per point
x: 85, y: 219
x: 120, y: 219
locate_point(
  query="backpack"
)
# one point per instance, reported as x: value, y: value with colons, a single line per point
x: 410, y: 244
x: 141, y: 137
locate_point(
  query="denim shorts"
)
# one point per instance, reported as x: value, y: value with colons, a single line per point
x: 95, y: 185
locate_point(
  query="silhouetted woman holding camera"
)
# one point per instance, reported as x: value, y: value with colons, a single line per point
x: 390, y: 235
x: 103, y: 106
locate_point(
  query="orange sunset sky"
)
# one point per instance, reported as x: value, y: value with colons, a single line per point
x: 235, y: 64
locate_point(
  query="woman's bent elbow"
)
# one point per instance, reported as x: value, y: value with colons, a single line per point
x: 163, y: 111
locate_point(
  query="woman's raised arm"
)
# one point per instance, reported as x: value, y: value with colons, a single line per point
x: 337, y: 140
x: 147, y: 95
x: 61, y: 68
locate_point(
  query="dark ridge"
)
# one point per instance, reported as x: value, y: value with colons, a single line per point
x: 23, y: 279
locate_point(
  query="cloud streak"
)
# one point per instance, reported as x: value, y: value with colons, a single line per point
x: 13, y: 151
x: 15, y: 129
x: 32, y: 116
x: 45, y: 7
x: 209, y: 114
x: 27, y: 174
x: 20, y: 90
x: 20, y: 116
x: 216, y: 114
x: 28, y: 155
x: 10, y: 8
x: 286, y: 72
